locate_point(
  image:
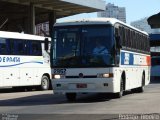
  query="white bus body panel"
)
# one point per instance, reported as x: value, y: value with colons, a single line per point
x: 26, y: 72
x: 10, y: 76
x: 20, y: 70
x: 135, y: 64
x: 133, y: 73
x: 94, y: 84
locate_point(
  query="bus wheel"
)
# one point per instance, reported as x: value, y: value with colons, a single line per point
x: 71, y: 96
x: 141, y: 89
x: 120, y: 93
x: 44, y: 83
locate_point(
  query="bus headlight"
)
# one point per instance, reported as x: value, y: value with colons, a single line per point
x: 104, y: 75
x: 58, y: 76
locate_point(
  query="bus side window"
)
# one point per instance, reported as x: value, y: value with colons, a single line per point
x: 20, y: 47
x: 36, y: 48
x: 123, y: 37
x: 29, y: 47
x: 3, y: 46
x: 12, y: 50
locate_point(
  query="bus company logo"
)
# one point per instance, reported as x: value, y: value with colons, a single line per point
x: 126, y: 58
x: 10, y: 59
x: 141, y: 60
x: 81, y: 75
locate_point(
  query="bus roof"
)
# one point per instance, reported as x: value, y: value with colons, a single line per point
x: 111, y: 21
x: 16, y: 35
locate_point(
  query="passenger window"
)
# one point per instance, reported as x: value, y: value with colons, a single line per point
x: 12, y: 47
x: 21, y: 47
x: 3, y: 46
x: 36, y: 48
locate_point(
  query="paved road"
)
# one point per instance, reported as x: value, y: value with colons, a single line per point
x: 44, y: 102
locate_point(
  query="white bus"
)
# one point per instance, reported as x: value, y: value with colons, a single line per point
x: 121, y: 63
x: 24, y: 61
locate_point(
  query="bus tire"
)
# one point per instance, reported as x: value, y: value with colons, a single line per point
x: 141, y: 89
x: 121, y: 92
x: 71, y: 96
x: 44, y: 83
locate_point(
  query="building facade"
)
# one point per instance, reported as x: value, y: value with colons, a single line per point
x: 113, y: 11
x: 42, y: 29
x: 24, y: 15
x: 142, y: 24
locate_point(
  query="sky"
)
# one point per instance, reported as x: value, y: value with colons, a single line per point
x: 135, y: 9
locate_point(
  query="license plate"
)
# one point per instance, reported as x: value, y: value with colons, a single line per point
x: 81, y: 85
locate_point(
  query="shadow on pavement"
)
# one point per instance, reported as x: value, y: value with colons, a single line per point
x: 48, y: 99
x: 43, y: 99
x: 18, y: 89
x: 101, y: 97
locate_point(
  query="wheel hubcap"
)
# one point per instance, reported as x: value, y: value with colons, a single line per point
x: 44, y: 83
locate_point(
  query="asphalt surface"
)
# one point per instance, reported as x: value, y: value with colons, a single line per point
x: 44, y: 105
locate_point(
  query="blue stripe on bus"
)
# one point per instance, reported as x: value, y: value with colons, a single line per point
x: 127, y: 58
x: 134, y: 59
x: 21, y: 64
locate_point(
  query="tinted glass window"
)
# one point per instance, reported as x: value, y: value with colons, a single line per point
x: 12, y: 46
x: 3, y: 46
x: 20, y: 47
x: 35, y: 48
x: 83, y: 46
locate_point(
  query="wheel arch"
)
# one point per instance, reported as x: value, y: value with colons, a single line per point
x: 49, y: 77
x: 143, y: 80
x: 47, y: 74
x: 123, y: 76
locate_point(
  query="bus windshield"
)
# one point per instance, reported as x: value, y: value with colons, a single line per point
x: 83, y: 46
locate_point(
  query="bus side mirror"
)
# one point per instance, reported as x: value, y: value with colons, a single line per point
x: 46, y: 43
x: 118, y: 42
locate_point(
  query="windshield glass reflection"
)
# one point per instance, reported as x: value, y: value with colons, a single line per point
x: 83, y: 46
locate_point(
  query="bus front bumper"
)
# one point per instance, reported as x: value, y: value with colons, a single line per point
x: 96, y: 85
